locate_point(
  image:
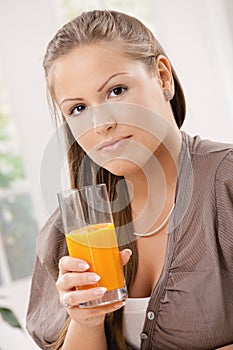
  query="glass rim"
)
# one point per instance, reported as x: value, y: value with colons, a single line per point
x: 70, y: 190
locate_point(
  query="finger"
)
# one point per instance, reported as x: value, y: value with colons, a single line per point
x: 87, y: 314
x: 74, y: 298
x: 69, y: 264
x: 102, y: 309
x: 71, y: 280
x: 125, y: 256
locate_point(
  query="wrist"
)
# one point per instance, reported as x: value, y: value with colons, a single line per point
x: 87, y: 327
x: 85, y: 336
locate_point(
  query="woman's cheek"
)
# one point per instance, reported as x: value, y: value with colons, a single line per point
x: 86, y: 142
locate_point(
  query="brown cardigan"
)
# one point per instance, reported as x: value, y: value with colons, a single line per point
x: 191, y: 306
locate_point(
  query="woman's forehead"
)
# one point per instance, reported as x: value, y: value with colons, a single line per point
x: 95, y: 62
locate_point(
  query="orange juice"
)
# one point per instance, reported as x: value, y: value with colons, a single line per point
x: 97, y: 245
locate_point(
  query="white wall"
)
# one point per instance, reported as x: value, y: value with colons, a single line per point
x: 25, y: 29
x: 198, y: 38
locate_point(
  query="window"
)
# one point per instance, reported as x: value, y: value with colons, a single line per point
x: 17, y: 224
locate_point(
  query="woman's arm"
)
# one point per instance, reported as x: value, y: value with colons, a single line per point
x: 88, y: 338
x: 86, y: 329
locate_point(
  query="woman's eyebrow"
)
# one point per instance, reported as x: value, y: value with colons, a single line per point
x: 99, y: 89
x: 71, y: 99
x: 112, y: 76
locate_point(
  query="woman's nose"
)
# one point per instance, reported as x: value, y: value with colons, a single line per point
x: 105, y: 127
x: 103, y: 120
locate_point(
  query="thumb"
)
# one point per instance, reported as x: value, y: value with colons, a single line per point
x: 125, y: 256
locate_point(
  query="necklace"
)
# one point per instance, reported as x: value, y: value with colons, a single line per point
x: 158, y: 228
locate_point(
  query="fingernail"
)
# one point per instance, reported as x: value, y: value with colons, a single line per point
x: 99, y: 291
x: 93, y: 278
x: 83, y: 266
x: 129, y: 251
x: 118, y: 306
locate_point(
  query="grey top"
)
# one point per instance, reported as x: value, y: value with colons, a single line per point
x: 191, y: 306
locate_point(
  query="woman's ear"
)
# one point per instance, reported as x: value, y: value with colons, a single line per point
x: 164, y: 76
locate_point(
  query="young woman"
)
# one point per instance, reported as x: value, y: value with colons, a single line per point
x: 172, y: 198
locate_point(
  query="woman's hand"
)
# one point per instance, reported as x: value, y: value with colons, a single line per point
x: 72, y: 274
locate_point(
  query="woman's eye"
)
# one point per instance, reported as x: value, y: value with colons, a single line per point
x: 77, y: 110
x: 117, y: 91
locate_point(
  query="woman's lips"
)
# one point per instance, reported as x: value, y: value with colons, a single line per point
x: 113, y: 144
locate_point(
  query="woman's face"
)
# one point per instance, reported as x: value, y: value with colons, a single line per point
x: 114, y: 106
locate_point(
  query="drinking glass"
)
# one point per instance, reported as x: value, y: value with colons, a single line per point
x: 90, y: 235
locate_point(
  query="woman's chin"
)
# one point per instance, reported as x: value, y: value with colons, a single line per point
x: 121, y: 167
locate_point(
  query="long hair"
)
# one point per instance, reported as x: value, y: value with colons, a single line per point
x: 138, y: 43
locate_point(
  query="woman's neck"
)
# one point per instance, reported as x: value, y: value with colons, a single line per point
x: 152, y: 188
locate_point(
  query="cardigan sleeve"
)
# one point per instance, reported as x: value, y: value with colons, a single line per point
x: 224, y: 207
x: 45, y: 315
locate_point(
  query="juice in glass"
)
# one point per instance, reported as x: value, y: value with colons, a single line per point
x: 90, y: 235
x: 97, y: 245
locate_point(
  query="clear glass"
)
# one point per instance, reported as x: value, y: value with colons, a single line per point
x: 90, y: 235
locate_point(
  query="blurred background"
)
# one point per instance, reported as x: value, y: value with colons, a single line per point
x: 198, y: 38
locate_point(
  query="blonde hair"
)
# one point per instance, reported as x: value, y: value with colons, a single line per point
x: 138, y: 43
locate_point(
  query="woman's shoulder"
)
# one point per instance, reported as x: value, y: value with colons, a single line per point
x: 224, y: 209
x: 200, y: 146
x: 206, y: 161
x: 224, y: 185
x: 209, y: 159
